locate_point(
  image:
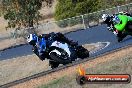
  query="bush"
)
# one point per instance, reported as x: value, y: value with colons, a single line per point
x: 66, y: 8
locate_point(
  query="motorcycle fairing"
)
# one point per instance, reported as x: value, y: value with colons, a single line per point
x: 62, y: 46
x: 121, y: 26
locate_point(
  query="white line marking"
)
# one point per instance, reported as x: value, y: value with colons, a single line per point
x: 98, y: 43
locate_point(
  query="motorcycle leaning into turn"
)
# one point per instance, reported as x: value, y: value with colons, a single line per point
x: 119, y: 24
x: 57, y: 51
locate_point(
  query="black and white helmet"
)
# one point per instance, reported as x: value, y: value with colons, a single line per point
x: 105, y: 17
x: 32, y: 39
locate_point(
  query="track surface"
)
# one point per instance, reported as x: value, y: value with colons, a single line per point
x: 92, y: 35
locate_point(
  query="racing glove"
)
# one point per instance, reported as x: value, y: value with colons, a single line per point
x: 115, y: 33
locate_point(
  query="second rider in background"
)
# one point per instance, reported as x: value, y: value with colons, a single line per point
x: 119, y: 24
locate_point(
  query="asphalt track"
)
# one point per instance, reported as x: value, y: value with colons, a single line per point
x: 91, y: 35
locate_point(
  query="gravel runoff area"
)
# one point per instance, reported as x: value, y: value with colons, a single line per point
x: 117, y: 62
x: 25, y: 66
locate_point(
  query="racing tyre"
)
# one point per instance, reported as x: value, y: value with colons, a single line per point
x: 120, y: 39
x: 82, y: 52
x: 85, y: 54
x: 53, y: 64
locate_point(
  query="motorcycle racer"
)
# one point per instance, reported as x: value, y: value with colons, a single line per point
x: 118, y: 24
x: 120, y: 21
x: 108, y: 19
x: 39, y: 44
x: 121, y: 25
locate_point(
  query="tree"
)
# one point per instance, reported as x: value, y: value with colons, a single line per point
x: 75, y: 7
x: 22, y: 13
x: 70, y: 8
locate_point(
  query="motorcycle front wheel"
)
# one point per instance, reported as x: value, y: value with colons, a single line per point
x: 53, y: 64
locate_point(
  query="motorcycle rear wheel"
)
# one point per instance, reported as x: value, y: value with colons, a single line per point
x: 82, y: 52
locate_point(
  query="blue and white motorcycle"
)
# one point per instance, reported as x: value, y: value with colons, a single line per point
x: 60, y: 52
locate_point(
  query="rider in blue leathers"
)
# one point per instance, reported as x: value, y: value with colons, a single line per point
x: 42, y: 42
x: 39, y: 44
